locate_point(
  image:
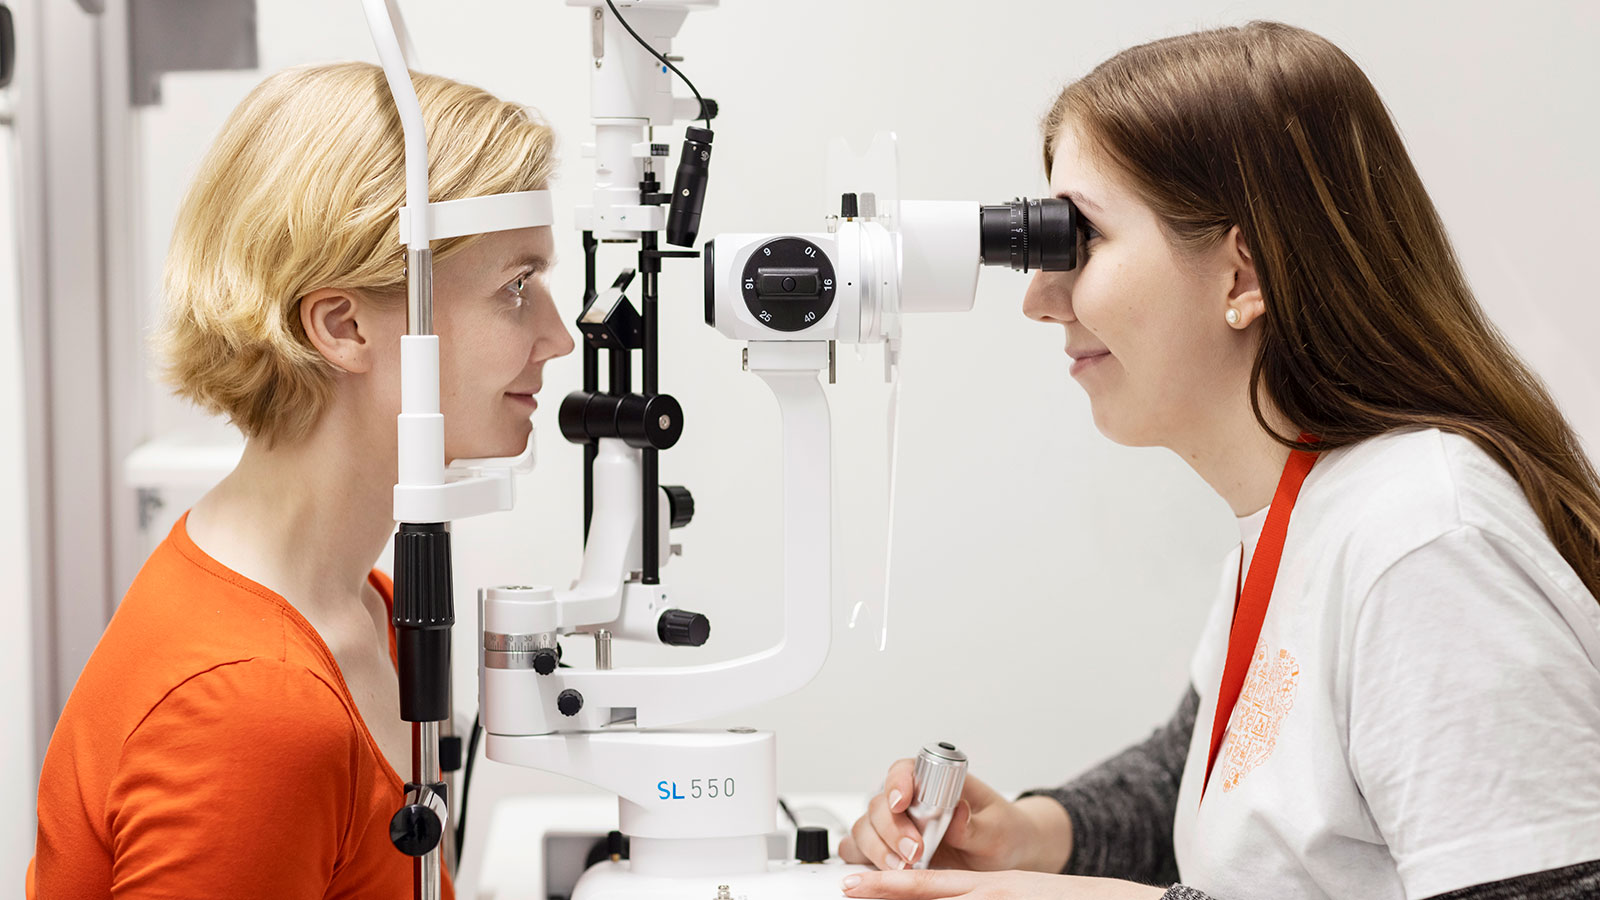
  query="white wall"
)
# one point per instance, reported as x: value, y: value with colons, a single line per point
x: 16, y: 639
x: 1048, y: 583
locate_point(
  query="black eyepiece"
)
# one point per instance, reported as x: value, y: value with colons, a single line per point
x: 1030, y: 234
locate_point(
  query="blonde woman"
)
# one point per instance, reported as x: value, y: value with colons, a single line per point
x: 236, y: 733
x: 1397, y: 694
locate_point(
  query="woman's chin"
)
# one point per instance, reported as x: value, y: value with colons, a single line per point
x: 1119, y: 430
x: 501, y: 446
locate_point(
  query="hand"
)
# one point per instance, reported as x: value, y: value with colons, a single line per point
x: 986, y: 833
x: 947, y: 885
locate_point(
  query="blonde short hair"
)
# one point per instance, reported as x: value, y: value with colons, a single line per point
x: 300, y: 192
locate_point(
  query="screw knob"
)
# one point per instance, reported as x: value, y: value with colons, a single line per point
x: 415, y: 829
x: 569, y: 702
x: 811, y: 844
x: 545, y: 659
x: 682, y: 628
x: 680, y: 504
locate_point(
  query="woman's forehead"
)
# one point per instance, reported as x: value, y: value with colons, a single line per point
x: 1076, y: 175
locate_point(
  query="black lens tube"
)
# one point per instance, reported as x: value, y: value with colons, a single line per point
x: 1030, y: 234
x: 689, y: 187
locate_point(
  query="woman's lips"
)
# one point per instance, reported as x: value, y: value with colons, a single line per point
x: 1083, y: 362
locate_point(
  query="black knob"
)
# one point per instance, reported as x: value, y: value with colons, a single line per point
x: 680, y: 504
x: 650, y: 421
x: 569, y: 702
x: 415, y: 830
x: 681, y: 628
x: 641, y: 421
x: 811, y: 844
x: 544, y: 660
x: 849, y: 208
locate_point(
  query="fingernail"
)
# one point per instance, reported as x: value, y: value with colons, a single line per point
x: 894, y: 797
x: 852, y: 881
x: 893, y: 863
x: 908, y: 847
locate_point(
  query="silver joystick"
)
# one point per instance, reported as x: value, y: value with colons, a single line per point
x: 940, y: 772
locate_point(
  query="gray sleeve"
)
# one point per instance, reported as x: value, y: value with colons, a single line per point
x: 1579, y: 882
x: 1567, y: 883
x: 1122, y: 809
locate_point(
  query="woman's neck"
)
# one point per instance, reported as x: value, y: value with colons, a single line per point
x: 306, y: 519
x: 1239, y: 459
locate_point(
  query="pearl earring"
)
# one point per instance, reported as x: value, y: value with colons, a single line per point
x: 1233, y: 317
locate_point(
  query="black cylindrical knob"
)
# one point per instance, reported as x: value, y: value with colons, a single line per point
x: 681, y: 628
x: 424, y: 610
x: 649, y: 421
x: 415, y: 829
x: 641, y: 421
x: 849, y: 207
x: 569, y: 702
x: 545, y: 660
x: 811, y: 844
x: 422, y: 596
x: 680, y: 503
x: 572, y: 416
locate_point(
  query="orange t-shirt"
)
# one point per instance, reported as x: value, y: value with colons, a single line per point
x: 211, y: 749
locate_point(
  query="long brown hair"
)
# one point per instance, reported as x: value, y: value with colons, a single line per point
x: 1370, y: 325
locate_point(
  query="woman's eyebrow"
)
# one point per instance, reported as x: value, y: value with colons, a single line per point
x: 1078, y: 198
x: 531, y: 261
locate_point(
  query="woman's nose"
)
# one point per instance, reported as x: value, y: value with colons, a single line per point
x: 552, y: 339
x: 1049, y: 298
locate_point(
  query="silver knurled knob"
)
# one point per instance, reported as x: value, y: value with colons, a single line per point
x: 941, y: 769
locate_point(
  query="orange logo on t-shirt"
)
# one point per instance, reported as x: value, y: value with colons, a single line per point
x: 1264, y: 702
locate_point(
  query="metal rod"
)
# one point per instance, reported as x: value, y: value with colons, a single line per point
x: 621, y: 371
x: 426, y: 874
x: 419, y: 291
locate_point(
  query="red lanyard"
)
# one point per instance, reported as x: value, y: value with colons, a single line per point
x: 1250, y: 604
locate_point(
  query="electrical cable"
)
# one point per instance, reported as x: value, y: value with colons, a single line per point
x: 466, y: 783
x: 466, y: 775
x: 788, y: 813
x: 704, y: 113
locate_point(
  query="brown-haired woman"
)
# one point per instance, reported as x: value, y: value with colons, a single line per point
x: 1398, y: 692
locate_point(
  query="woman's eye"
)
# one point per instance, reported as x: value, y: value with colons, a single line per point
x: 1087, y: 235
x: 516, y: 287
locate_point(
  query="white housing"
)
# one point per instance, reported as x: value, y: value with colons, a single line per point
x: 929, y: 265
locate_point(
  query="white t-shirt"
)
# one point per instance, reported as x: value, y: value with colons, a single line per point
x: 1423, y: 708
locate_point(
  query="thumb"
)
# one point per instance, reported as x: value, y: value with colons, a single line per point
x: 959, y: 832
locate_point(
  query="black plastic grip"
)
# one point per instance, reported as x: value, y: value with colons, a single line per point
x: 424, y: 611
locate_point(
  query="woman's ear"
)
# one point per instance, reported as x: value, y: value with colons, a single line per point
x: 334, y: 323
x: 1245, y: 303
